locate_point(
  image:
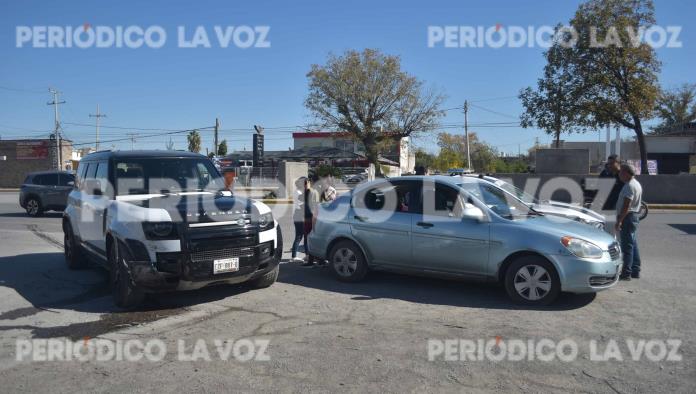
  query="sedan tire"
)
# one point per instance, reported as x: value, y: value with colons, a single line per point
x: 532, y: 280
x: 347, y: 262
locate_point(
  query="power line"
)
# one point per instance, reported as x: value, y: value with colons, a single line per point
x: 149, y: 135
x: 23, y: 90
x: 494, y: 112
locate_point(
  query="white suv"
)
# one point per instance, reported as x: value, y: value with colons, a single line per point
x: 163, y: 221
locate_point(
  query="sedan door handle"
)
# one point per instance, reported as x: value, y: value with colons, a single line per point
x: 360, y: 218
x: 424, y: 224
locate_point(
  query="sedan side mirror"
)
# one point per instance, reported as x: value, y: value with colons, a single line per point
x: 474, y: 213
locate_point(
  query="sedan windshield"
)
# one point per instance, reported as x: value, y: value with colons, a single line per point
x: 517, y: 192
x: 152, y: 175
x: 497, y: 200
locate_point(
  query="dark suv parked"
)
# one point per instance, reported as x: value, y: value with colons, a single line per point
x: 46, y: 191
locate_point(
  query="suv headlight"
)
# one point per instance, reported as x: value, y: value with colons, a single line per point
x: 159, y: 230
x: 582, y: 248
x: 265, y: 221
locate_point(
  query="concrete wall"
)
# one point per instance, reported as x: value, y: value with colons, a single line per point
x: 288, y: 173
x: 13, y: 171
x: 562, y: 161
x: 657, y: 189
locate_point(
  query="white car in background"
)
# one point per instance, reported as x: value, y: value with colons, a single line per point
x: 549, y: 207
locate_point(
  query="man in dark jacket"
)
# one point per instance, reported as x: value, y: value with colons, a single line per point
x: 611, y: 170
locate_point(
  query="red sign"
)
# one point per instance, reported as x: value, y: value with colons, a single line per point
x: 28, y: 150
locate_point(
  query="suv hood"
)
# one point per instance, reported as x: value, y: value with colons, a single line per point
x: 196, y: 207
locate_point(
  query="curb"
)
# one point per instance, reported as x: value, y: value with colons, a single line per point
x: 674, y: 207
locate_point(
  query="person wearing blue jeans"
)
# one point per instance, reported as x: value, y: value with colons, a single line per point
x: 627, y: 208
x: 298, y: 218
x: 629, y: 246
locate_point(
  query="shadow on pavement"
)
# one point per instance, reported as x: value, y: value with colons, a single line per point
x: 689, y: 229
x: 49, y: 214
x: 422, y: 290
x: 46, y: 283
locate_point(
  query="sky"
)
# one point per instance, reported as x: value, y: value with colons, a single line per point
x: 175, y: 88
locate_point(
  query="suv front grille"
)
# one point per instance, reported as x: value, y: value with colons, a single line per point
x: 210, y: 255
x: 614, y: 251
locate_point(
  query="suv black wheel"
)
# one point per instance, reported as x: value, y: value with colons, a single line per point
x: 33, y: 207
x: 126, y: 294
x: 347, y: 262
x: 71, y: 249
x: 532, y: 280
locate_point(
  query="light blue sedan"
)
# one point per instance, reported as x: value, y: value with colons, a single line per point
x: 441, y: 226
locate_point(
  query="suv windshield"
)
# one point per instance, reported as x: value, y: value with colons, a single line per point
x: 497, y: 200
x: 158, y: 175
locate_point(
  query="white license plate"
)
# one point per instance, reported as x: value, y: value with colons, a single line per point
x: 226, y: 265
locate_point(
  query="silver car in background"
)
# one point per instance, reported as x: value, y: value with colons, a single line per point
x: 443, y: 226
x: 554, y: 208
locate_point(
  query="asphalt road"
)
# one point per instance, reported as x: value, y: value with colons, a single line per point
x: 328, y: 336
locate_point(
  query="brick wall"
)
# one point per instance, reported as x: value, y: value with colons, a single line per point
x: 13, y: 170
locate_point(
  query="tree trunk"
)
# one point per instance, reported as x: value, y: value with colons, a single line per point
x: 558, y: 139
x: 641, y: 144
x: 373, y: 157
x: 372, y: 154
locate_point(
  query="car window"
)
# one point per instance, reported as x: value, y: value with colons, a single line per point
x: 66, y: 179
x: 46, y: 179
x: 102, y: 175
x: 405, y: 195
x: 91, y: 171
x: 496, y: 199
x: 152, y: 175
x: 442, y: 200
x: 81, y: 173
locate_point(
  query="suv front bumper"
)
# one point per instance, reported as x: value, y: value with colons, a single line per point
x: 188, y: 270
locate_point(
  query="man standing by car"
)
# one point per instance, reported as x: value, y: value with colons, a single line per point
x: 311, y: 205
x: 627, y: 220
x: 611, y: 170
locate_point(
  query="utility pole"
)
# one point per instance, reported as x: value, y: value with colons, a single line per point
x: 607, y: 147
x: 98, y: 116
x: 217, y: 128
x: 618, y: 142
x: 56, y: 131
x: 132, y: 138
x: 466, y: 133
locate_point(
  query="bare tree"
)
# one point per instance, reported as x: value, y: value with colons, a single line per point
x: 368, y: 95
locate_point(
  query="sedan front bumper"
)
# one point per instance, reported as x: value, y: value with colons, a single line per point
x: 587, y: 276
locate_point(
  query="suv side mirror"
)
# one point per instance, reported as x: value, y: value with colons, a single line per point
x: 93, y: 187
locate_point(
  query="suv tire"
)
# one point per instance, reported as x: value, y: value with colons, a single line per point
x: 533, y: 281
x: 33, y: 207
x: 347, y: 262
x: 125, y: 293
x: 72, y: 250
